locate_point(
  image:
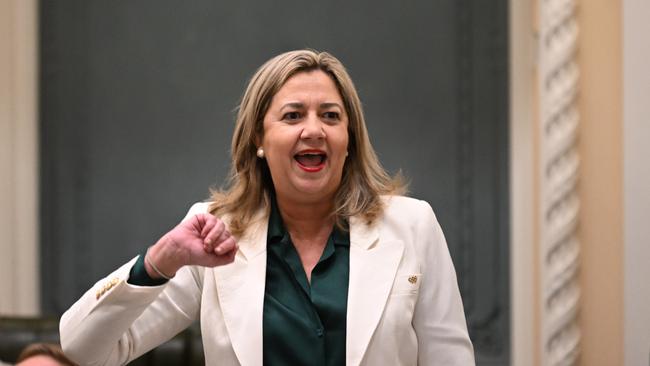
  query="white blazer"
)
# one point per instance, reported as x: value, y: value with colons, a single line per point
x: 404, y: 307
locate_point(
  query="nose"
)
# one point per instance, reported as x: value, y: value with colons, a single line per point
x: 313, y: 128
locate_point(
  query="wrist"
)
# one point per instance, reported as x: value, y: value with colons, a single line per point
x: 160, y: 263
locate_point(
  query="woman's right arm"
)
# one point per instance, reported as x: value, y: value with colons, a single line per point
x: 115, y: 321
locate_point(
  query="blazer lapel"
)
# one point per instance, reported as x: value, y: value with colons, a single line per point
x: 373, y: 265
x: 240, y: 286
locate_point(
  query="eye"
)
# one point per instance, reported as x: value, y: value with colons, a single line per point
x: 291, y: 116
x: 331, y: 115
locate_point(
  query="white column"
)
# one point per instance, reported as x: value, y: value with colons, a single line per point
x: 19, y: 275
x: 636, y: 181
x: 558, y: 251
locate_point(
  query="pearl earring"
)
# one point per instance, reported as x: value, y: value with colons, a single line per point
x: 260, y: 152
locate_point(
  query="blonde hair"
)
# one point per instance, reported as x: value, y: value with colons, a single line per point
x: 364, y: 180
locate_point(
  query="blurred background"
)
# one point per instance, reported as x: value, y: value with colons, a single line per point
x: 522, y: 122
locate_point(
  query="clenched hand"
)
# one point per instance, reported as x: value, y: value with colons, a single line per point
x: 202, y: 240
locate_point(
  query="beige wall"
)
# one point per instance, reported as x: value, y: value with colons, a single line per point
x: 601, y: 180
x: 522, y: 192
x: 636, y: 151
x: 18, y: 158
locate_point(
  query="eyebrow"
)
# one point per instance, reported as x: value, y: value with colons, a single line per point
x: 330, y: 105
x: 296, y: 105
x: 299, y: 105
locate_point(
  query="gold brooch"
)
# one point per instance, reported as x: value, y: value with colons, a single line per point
x: 413, y: 279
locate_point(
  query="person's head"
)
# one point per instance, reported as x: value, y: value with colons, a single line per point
x: 43, y: 354
x: 355, y: 179
x: 304, y: 139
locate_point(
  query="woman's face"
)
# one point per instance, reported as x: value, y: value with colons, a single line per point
x: 306, y: 138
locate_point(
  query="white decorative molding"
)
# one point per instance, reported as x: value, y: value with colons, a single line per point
x: 559, y: 204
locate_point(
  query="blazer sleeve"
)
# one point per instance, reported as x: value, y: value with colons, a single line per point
x: 115, y: 322
x: 439, y: 319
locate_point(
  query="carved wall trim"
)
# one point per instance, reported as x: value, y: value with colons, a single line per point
x: 558, y: 163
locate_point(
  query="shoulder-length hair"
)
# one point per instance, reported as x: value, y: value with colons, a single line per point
x: 364, y: 180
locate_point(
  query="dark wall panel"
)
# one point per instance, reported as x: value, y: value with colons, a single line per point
x: 137, y: 110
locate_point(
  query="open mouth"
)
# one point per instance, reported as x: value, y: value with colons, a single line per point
x: 311, y: 160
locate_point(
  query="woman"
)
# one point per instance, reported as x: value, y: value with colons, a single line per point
x: 309, y: 258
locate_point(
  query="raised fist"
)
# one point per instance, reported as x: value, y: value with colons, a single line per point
x: 202, y: 240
